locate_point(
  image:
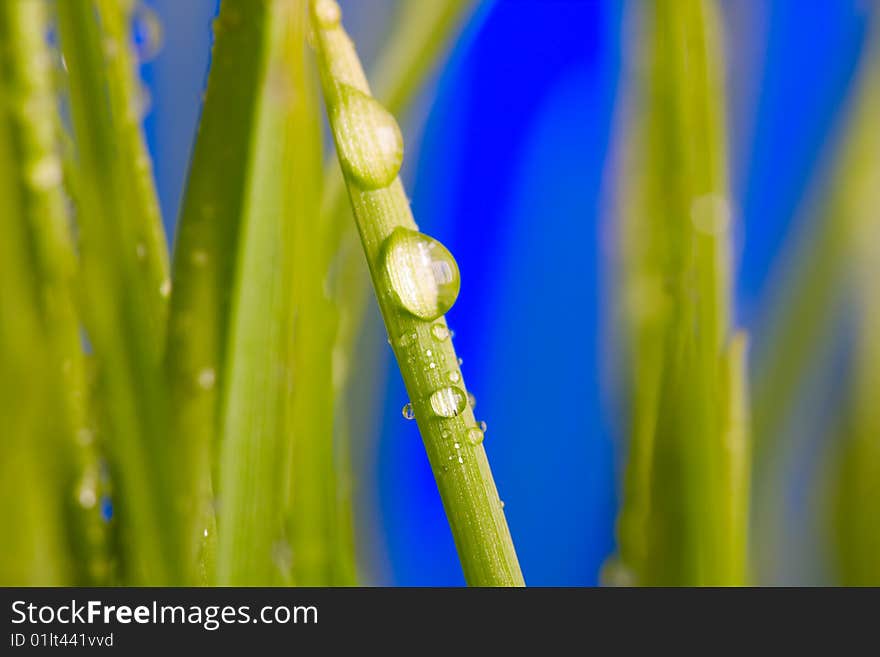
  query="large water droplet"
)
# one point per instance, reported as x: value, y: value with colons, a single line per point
x: 472, y: 401
x: 448, y: 402
x: 367, y: 137
x: 408, y: 411
x: 147, y: 30
x: 422, y: 274
x: 440, y: 332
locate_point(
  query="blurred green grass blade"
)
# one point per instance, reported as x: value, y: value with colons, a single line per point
x: 206, y: 257
x: 810, y: 291
x: 282, y: 174
x: 122, y: 308
x: 857, y: 498
x: 30, y: 77
x: 32, y: 495
x: 675, y: 270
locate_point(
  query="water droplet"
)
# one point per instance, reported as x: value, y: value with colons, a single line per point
x: 206, y: 378
x: 428, y: 352
x: 472, y: 401
x: 444, y: 434
x: 440, y: 332
x: 282, y: 556
x: 147, y: 32
x: 448, y: 402
x: 87, y: 496
x: 141, y: 251
x: 460, y: 362
x: 484, y: 426
x: 501, y: 503
x: 423, y: 275
x: 475, y: 436
x: 454, y: 376
x: 165, y: 288
x: 327, y: 14
x: 85, y: 436
x: 710, y: 214
x: 460, y: 460
x: 45, y: 173
x: 457, y: 445
x: 408, y: 412
x: 432, y: 365
x: 368, y: 139
x: 616, y: 573
x: 205, y: 533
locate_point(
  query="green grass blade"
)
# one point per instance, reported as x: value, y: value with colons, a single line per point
x: 204, y: 264
x: 809, y: 292
x: 369, y: 146
x: 36, y: 133
x: 857, y: 526
x: 675, y: 274
x: 34, y: 483
x: 282, y: 169
x: 321, y: 472
x: 122, y: 308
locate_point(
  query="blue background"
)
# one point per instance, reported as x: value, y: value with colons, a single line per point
x: 508, y: 166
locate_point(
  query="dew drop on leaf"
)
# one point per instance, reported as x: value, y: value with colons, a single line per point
x: 475, y: 436
x: 448, y: 402
x: 472, y: 401
x: 454, y: 376
x: 440, y: 332
x: 421, y: 272
x: 368, y: 139
x: 147, y: 29
x: 408, y: 411
x: 327, y: 14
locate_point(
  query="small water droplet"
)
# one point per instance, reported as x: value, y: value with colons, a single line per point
x: 501, y: 503
x: 423, y: 275
x: 87, y: 497
x: 327, y: 14
x: 710, y: 214
x: 368, y: 139
x: 282, y: 556
x: 206, y: 378
x: 460, y: 460
x: 141, y: 250
x: 147, y: 29
x: 475, y: 436
x: 432, y: 365
x: 484, y: 426
x: 454, y: 376
x: 428, y: 352
x: 444, y: 434
x: 165, y: 288
x: 448, y: 402
x: 460, y: 362
x: 440, y: 332
x: 472, y: 401
x: 408, y: 412
x: 199, y: 258
x: 457, y: 445
x: 205, y: 533
x: 45, y: 173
